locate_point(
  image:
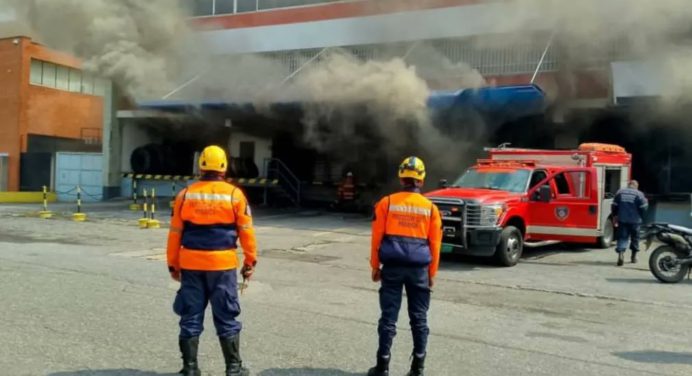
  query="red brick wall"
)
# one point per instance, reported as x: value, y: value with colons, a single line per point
x: 51, y: 112
x: 28, y: 109
x: 10, y: 84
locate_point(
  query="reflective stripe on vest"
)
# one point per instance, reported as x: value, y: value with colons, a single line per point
x: 208, y: 196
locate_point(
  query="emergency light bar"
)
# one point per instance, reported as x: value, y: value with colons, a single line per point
x: 507, y: 163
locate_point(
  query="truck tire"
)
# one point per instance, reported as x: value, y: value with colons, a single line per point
x: 511, y: 247
x: 140, y: 161
x: 608, y: 237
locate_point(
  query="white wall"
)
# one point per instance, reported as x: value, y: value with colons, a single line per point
x: 263, y: 148
x: 460, y: 21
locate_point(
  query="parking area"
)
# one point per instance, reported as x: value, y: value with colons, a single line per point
x: 94, y: 298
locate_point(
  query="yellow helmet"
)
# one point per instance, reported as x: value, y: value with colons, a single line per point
x: 412, y: 167
x: 213, y: 158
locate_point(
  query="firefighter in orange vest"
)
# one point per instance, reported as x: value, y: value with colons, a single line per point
x: 347, y: 189
x: 209, y: 217
x: 405, y: 253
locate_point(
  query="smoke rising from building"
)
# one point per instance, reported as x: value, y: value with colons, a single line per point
x: 137, y: 44
x: 148, y: 50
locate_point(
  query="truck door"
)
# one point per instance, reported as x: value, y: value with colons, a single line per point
x: 570, y: 212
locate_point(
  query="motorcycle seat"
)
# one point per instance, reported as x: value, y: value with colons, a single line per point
x: 681, y: 229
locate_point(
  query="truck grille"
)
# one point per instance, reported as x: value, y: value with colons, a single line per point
x: 446, y: 206
x: 473, y: 214
x: 450, y: 209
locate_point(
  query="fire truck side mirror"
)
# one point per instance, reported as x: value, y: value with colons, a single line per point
x: 544, y: 193
x: 442, y: 183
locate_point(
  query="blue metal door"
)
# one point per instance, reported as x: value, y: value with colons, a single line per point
x: 79, y: 169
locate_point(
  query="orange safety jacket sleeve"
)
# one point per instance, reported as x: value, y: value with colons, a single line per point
x: 435, y: 240
x: 246, y: 232
x: 379, y: 222
x: 175, y: 234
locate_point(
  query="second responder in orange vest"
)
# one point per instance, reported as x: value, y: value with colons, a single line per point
x: 209, y: 217
x: 405, y: 254
x: 347, y: 189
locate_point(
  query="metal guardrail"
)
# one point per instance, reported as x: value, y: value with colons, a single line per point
x: 277, y: 169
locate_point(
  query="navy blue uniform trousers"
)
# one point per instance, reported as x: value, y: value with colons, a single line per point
x: 416, y: 282
x: 627, y: 232
x: 197, y: 289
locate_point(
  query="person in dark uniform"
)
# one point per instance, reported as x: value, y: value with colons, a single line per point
x: 405, y: 254
x: 628, y: 209
x: 209, y: 218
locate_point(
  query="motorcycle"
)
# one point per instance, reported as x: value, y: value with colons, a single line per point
x: 672, y: 260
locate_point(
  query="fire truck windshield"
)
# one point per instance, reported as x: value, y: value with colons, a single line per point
x: 510, y: 180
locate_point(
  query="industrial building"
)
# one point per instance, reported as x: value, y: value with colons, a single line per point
x: 48, y: 106
x: 530, y: 96
x: 567, y: 104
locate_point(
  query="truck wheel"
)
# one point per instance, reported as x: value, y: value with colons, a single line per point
x: 606, y: 240
x: 511, y: 246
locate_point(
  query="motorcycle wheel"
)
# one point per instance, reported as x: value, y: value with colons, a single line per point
x: 663, y: 267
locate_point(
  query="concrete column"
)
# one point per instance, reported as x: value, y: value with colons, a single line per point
x: 111, y: 143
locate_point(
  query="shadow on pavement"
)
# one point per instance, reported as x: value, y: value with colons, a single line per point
x: 608, y: 263
x: 112, y: 372
x: 662, y: 357
x: 531, y: 255
x: 306, y: 372
x: 633, y: 280
x: 651, y: 280
x: 465, y: 263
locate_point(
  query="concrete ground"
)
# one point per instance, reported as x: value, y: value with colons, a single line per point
x: 95, y: 298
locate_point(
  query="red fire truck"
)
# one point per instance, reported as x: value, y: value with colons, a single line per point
x: 523, y: 197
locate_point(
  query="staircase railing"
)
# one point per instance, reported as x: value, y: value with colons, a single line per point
x: 277, y: 169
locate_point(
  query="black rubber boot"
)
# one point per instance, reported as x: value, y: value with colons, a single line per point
x: 188, y: 348
x: 382, y: 367
x: 231, y: 353
x: 621, y: 258
x: 417, y: 366
x: 634, y: 257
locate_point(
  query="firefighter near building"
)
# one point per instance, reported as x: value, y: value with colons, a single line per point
x: 523, y: 197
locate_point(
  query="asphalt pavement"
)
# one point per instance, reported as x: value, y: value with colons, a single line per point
x: 95, y: 298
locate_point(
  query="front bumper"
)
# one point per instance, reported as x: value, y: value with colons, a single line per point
x: 475, y: 241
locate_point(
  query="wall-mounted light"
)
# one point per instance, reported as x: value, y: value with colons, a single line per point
x: 15, y: 41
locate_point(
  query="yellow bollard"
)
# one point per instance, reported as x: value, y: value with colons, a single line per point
x: 144, y: 221
x: 45, y: 213
x: 134, y: 206
x: 79, y: 216
x: 153, y: 223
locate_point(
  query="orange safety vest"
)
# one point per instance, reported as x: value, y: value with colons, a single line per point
x: 347, y: 190
x: 406, y: 231
x: 209, y: 217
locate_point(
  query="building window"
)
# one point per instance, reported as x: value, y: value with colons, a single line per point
x: 36, y: 72
x: 49, y: 74
x: 247, y: 6
x: 202, y: 7
x: 75, y: 81
x: 272, y: 4
x: 63, y: 78
x: 60, y: 77
x: 224, y: 6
